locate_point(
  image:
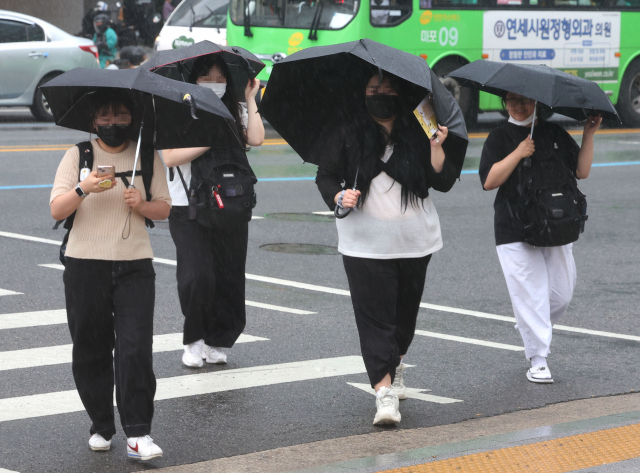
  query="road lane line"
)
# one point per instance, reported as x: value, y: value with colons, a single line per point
x: 473, y: 341
x: 412, y: 393
x: 60, y: 354
x: 32, y: 319
x: 2, y: 470
x: 6, y: 292
x: 342, y: 292
x: 53, y: 266
x: 64, y: 402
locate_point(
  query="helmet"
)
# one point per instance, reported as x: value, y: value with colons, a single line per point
x: 101, y: 22
x: 101, y: 6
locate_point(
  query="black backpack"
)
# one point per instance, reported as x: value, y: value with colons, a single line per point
x: 551, y: 207
x: 221, y: 191
x: 86, y: 161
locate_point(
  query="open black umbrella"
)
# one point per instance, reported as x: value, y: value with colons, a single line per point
x: 178, y: 63
x: 564, y: 93
x: 175, y: 114
x: 316, y: 89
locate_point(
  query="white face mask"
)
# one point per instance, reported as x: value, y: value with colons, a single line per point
x: 218, y: 87
x: 525, y: 122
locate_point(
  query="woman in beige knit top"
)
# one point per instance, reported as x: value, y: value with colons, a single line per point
x: 109, y: 279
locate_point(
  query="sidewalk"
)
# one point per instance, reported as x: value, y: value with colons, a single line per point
x: 428, y: 447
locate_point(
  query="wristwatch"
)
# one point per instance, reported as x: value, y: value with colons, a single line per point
x: 79, y: 191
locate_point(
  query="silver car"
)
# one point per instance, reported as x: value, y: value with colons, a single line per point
x: 32, y: 52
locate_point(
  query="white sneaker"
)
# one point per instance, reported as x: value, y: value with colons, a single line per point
x: 398, y: 386
x: 387, y: 405
x: 539, y: 374
x: 143, y: 448
x: 192, y: 355
x: 99, y: 444
x: 213, y: 355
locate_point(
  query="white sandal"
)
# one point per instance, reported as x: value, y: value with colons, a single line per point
x: 539, y: 374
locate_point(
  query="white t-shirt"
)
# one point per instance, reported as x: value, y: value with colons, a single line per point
x: 381, y: 230
x: 176, y: 189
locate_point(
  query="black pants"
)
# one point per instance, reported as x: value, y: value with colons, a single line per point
x: 211, y: 280
x: 110, y: 306
x: 386, y: 298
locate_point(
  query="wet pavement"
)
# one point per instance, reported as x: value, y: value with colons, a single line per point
x: 300, y: 319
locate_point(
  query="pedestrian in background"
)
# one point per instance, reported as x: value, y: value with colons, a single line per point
x: 109, y: 279
x: 388, y: 239
x: 105, y: 39
x: 540, y: 279
x: 211, y: 260
x: 167, y: 9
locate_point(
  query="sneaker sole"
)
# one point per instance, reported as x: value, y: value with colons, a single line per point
x: 216, y: 362
x: 136, y: 456
x: 100, y: 449
x: 539, y: 380
x: 387, y: 419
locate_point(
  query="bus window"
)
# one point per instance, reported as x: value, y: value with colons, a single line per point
x: 457, y: 4
x: 334, y: 14
x: 390, y: 12
x: 200, y: 14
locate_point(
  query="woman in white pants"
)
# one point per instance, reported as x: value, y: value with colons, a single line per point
x: 540, y: 280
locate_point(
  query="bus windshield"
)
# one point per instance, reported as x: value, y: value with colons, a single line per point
x: 200, y: 14
x: 335, y: 14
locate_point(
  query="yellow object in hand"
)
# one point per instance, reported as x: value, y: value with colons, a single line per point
x: 106, y: 183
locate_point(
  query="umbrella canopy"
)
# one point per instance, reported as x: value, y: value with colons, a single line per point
x: 168, y: 117
x: 564, y: 93
x: 177, y: 63
x: 316, y: 89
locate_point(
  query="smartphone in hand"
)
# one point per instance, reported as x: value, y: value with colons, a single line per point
x: 109, y: 173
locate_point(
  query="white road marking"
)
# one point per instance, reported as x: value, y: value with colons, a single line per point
x: 278, y: 308
x: 324, y: 212
x: 53, y: 266
x: 63, y: 402
x: 473, y: 341
x: 33, y: 319
x: 56, y: 355
x: 6, y: 292
x: 342, y: 292
x: 2, y: 470
x: 412, y: 393
x: 256, y: 217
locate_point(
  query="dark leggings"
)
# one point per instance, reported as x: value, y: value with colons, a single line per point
x: 110, y: 307
x: 386, y: 296
x: 211, y: 280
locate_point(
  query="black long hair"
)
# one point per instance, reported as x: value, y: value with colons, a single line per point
x: 412, y: 151
x: 201, y: 68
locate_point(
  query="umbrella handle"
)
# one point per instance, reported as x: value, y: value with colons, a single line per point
x: 192, y: 104
x: 135, y: 161
x: 338, y: 214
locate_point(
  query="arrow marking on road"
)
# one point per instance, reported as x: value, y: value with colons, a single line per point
x: 6, y: 292
x: 412, y: 393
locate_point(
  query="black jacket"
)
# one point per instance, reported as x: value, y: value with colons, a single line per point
x: 342, y: 151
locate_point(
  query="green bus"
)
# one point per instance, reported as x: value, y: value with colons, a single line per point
x: 594, y: 39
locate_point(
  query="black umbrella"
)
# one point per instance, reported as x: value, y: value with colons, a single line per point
x: 316, y: 89
x: 564, y: 93
x: 166, y: 107
x: 178, y: 63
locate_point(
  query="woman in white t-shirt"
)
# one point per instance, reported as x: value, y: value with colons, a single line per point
x: 389, y: 237
x: 211, y: 261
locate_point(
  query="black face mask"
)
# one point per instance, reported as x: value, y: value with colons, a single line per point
x: 383, y: 107
x: 113, y: 135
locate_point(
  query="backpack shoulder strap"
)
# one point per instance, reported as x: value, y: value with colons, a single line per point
x: 85, y: 149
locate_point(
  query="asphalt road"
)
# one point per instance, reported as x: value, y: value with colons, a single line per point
x: 304, y: 396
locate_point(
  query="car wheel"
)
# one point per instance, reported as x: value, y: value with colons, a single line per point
x: 466, y: 97
x: 40, y: 108
x: 629, y: 98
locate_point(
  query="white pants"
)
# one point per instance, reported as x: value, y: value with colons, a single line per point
x: 541, y: 283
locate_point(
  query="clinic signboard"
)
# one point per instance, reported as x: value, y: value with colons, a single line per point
x: 580, y: 43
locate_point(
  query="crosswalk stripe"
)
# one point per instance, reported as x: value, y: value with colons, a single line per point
x: 473, y: 341
x: 2, y: 470
x: 411, y: 393
x: 342, y: 292
x: 6, y: 292
x: 56, y: 355
x: 33, y: 319
x: 260, y: 305
x: 64, y: 402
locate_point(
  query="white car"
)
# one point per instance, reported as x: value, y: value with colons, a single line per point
x: 194, y: 21
x: 33, y: 52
